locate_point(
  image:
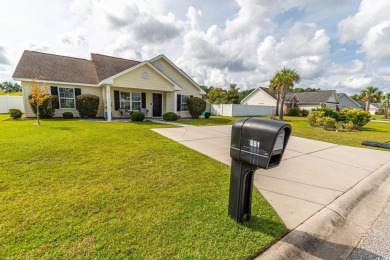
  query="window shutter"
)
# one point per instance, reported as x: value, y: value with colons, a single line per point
x: 143, y: 100
x: 178, y: 102
x: 54, y: 92
x: 116, y: 99
x: 77, y: 91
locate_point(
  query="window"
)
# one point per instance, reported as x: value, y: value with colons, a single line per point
x: 67, y: 97
x: 184, y: 106
x: 130, y: 101
x: 136, y: 101
x: 125, y: 101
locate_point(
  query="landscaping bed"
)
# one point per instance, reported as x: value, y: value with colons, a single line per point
x: 89, y: 189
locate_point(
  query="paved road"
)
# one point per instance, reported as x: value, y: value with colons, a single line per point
x: 376, y: 244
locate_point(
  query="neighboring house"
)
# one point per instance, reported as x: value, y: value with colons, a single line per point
x: 346, y: 102
x: 362, y: 104
x: 375, y: 108
x: 157, y: 85
x: 301, y: 100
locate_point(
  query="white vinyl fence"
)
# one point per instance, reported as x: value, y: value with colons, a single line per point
x: 242, y: 110
x: 8, y: 102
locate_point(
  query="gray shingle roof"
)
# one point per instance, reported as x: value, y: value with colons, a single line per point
x: 107, y: 66
x: 69, y: 69
x: 266, y: 90
x: 313, y: 97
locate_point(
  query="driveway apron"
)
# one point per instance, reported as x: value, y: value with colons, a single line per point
x: 312, y: 174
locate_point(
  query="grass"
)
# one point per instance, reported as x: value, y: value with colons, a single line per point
x: 375, y: 131
x: 88, y: 189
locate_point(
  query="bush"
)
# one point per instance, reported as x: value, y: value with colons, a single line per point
x: 327, y: 123
x: 196, y: 106
x: 207, y: 115
x: 329, y: 112
x: 314, y: 116
x: 87, y: 105
x: 348, y: 125
x: 357, y: 117
x: 137, y: 116
x: 293, y: 112
x: 170, y: 116
x: 46, y: 110
x: 15, y: 113
x: 304, y: 112
x: 67, y: 115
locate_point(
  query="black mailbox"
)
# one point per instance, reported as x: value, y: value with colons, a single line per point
x: 255, y: 143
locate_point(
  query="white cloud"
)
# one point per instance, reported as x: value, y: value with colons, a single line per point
x: 76, y: 37
x: 356, y: 67
x: 370, y: 27
x: 305, y: 48
x: 194, y: 16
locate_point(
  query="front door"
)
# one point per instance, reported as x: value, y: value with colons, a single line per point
x: 157, y: 105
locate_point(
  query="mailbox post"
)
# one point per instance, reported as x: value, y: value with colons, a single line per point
x: 255, y: 143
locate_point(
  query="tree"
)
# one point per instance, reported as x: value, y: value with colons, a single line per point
x: 217, y: 96
x: 232, y: 96
x: 370, y: 94
x: 8, y: 87
x: 386, y: 102
x: 274, y: 87
x: 38, y: 94
x: 284, y: 80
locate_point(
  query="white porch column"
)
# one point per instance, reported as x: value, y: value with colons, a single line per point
x: 174, y: 102
x: 108, y: 99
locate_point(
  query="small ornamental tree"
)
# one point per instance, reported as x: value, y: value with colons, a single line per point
x: 38, y: 95
x: 196, y: 106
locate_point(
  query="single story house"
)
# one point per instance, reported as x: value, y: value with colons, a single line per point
x: 301, y: 100
x: 376, y: 108
x: 347, y: 102
x: 153, y: 86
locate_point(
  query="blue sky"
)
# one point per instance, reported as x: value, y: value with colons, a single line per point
x: 334, y: 44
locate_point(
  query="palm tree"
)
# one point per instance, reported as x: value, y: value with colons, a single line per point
x: 369, y: 95
x: 273, y: 87
x: 285, y: 80
x: 386, y: 98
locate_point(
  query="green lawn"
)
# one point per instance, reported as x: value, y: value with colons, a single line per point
x: 374, y: 131
x: 88, y: 189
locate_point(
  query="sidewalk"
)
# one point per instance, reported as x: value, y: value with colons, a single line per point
x: 316, y: 190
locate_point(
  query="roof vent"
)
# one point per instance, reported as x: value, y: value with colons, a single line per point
x: 145, y: 74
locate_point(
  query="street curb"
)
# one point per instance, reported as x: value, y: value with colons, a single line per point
x: 335, y: 231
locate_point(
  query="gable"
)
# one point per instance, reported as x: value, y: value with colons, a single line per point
x: 333, y: 98
x: 134, y: 79
x: 345, y: 101
x: 184, y: 81
x: 259, y: 97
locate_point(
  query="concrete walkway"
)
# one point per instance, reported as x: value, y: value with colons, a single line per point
x: 312, y: 175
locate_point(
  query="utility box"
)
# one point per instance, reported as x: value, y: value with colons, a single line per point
x: 255, y: 143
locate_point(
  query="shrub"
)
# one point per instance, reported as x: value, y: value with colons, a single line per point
x: 327, y: 123
x: 87, y: 105
x: 348, y: 125
x: 207, y: 115
x: 137, y: 116
x: 304, y: 112
x: 293, y: 112
x: 314, y: 116
x: 170, y: 116
x: 357, y: 117
x: 15, y: 113
x: 46, y: 110
x: 67, y: 115
x: 196, y: 106
x: 329, y: 112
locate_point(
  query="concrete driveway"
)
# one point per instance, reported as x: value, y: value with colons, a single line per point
x: 312, y: 175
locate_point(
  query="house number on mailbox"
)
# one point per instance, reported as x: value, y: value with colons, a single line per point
x: 255, y: 144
